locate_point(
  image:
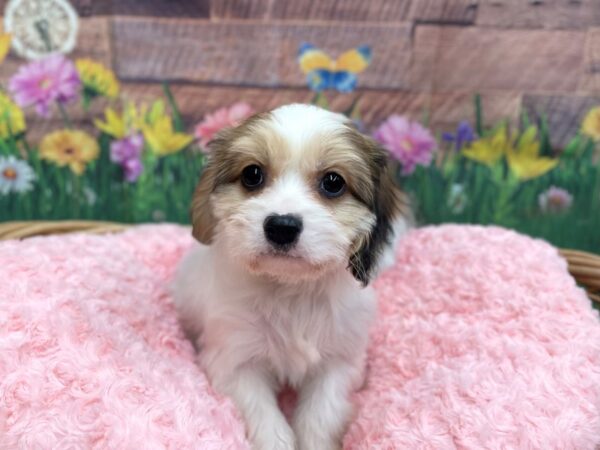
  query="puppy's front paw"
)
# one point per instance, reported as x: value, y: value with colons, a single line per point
x: 314, y: 442
x: 277, y: 438
x: 315, y: 430
x: 324, y: 408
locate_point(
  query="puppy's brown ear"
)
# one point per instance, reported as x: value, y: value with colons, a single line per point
x: 388, y: 205
x: 203, y: 220
x: 215, y: 171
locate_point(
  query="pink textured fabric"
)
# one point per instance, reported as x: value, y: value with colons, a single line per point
x: 482, y: 341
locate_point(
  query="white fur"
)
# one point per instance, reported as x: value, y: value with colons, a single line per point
x: 298, y: 123
x: 256, y: 335
x: 388, y: 257
x: 260, y: 329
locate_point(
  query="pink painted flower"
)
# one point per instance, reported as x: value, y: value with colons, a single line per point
x: 222, y: 118
x: 555, y: 200
x: 409, y: 142
x: 42, y: 82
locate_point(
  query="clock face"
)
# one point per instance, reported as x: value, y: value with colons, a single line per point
x: 41, y: 27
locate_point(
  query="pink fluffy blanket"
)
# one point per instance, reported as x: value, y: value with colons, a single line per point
x: 483, y: 340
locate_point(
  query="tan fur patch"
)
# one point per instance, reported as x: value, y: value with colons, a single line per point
x: 231, y: 151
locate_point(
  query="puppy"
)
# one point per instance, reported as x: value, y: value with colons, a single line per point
x: 295, y: 211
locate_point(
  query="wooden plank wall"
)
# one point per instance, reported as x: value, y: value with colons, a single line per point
x: 430, y: 56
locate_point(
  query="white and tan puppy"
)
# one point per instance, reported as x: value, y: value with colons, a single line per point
x: 294, y: 211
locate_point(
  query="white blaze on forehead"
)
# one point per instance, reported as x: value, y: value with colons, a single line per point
x: 297, y: 123
x: 290, y: 194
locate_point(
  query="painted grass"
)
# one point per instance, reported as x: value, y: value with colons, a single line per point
x: 162, y: 193
x: 492, y: 197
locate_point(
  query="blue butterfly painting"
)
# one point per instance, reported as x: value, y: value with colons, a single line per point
x: 323, y: 73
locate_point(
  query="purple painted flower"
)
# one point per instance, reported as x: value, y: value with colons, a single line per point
x: 464, y: 135
x: 127, y: 152
x: 129, y: 147
x: 132, y: 169
x: 555, y: 200
x: 409, y: 142
x: 42, y: 82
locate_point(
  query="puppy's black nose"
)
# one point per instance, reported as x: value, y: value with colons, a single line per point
x: 282, y: 230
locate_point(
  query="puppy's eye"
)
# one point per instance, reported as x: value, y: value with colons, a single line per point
x: 252, y: 177
x: 332, y: 185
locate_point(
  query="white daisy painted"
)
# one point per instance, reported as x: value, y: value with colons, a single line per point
x: 15, y: 175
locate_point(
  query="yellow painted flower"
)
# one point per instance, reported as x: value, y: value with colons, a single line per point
x: 489, y: 150
x: 5, y: 40
x: 12, y: 119
x: 153, y: 122
x: 524, y: 159
x: 591, y: 124
x: 162, y: 139
x: 522, y: 153
x: 97, y: 79
x: 71, y: 148
x: 114, y: 124
x: 156, y: 112
x: 119, y: 125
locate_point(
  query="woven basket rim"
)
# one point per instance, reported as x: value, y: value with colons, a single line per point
x: 583, y: 266
x: 26, y: 229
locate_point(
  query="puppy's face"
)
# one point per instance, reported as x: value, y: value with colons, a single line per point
x: 296, y: 193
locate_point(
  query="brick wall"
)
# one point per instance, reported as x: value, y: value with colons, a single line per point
x: 430, y: 56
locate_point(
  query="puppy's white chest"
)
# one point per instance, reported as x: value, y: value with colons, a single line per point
x: 293, y: 366
x: 294, y: 348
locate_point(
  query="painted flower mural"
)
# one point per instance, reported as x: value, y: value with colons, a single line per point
x: 44, y: 82
x: 222, y: 118
x: 136, y: 161
x: 555, y: 200
x: 12, y: 119
x: 408, y: 142
x: 98, y: 81
x: 591, y: 124
x: 15, y: 175
x: 72, y: 148
x: 463, y: 136
x: 128, y: 153
x: 521, y: 152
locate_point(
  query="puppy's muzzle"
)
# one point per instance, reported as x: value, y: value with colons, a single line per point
x: 282, y: 231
